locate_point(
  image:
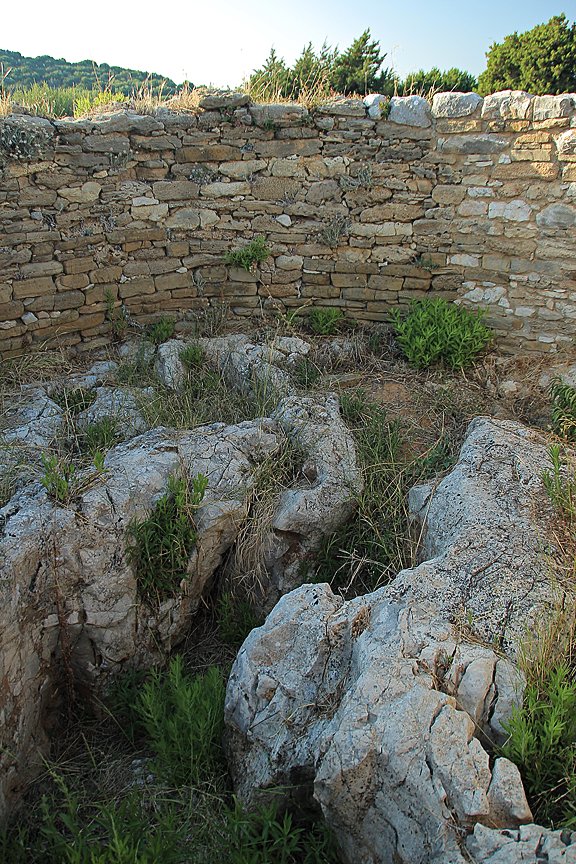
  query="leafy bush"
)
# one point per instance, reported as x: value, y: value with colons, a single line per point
x: 162, y: 543
x: 325, y: 320
x: 184, y: 720
x: 563, y: 409
x: 268, y: 837
x: 248, y: 256
x: 236, y: 618
x: 436, y: 331
x: 99, y: 436
x: 561, y: 490
x: 192, y: 355
x: 542, y: 743
x: 161, y: 330
x: 59, y: 478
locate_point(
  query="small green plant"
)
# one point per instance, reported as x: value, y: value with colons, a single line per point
x: 236, y: 618
x: 325, y: 320
x: 385, y: 107
x: 426, y: 262
x: 561, y: 489
x: 117, y: 317
x: 74, y: 400
x: 59, y: 478
x: 192, y: 356
x: 99, y: 436
x: 542, y: 743
x: 248, y: 256
x: 435, y: 331
x: 563, y: 409
x: 162, y: 543
x: 335, y: 228
x: 306, y: 373
x: 161, y: 330
x: 362, y: 179
x: 269, y: 836
x: 184, y: 721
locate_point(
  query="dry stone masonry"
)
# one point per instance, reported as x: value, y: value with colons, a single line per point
x: 364, y: 204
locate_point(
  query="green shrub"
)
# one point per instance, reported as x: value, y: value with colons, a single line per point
x: 184, y: 721
x: 248, y: 256
x: 236, y: 618
x: 162, y: 543
x: 561, y: 490
x: 563, y: 409
x: 325, y: 320
x: 542, y: 743
x: 306, y: 373
x: 99, y: 436
x: 59, y: 478
x: 436, y: 331
x: 270, y: 837
x: 192, y: 356
x: 70, y: 830
x: 161, y: 330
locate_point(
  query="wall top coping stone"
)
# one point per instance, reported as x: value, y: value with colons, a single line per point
x: 414, y: 111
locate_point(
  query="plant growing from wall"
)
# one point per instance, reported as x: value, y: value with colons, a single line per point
x: 160, y: 545
x: 335, y: 228
x: 435, y: 331
x: 247, y: 257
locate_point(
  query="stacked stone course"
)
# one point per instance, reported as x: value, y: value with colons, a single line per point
x: 363, y: 208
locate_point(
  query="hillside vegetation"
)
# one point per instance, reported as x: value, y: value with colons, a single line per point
x: 21, y: 73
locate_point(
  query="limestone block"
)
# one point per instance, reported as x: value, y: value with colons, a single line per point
x: 153, y: 212
x: 116, y: 144
x: 188, y: 219
x: 277, y: 113
x: 551, y: 107
x: 126, y: 121
x: 472, y: 144
x: 410, y: 111
x: 207, y: 153
x: 448, y: 194
x: 85, y: 194
x: 343, y: 108
x: 455, y: 104
x: 566, y: 144
x: 243, y: 170
x: 224, y: 99
x: 375, y: 104
x: 175, y: 190
x: 508, y: 105
x: 289, y: 262
x: 514, y: 211
x: 561, y: 216
x: 223, y: 190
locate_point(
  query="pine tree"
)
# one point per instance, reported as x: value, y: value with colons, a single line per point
x: 542, y: 60
x: 356, y: 70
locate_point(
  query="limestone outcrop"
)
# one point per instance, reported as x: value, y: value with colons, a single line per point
x: 386, y: 708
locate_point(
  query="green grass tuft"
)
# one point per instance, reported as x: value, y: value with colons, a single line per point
x: 160, y: 546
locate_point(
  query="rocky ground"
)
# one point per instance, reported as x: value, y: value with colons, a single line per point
x: 384, y: 707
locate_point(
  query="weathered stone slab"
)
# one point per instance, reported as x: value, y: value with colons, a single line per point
x: 455, y: 104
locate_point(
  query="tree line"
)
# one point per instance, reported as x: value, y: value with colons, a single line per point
x: 542, y: 60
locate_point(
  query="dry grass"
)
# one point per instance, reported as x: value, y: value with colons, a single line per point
x: 245, y: 572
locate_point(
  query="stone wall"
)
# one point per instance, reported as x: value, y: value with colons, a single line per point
x: 364, y: 204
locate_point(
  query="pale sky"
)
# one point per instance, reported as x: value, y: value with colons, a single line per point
x: 221, y: 42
